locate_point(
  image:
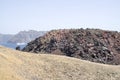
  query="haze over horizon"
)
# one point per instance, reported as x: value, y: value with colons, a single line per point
x: 44, y: 15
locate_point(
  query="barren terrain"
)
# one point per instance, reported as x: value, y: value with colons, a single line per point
x: 17, y: 65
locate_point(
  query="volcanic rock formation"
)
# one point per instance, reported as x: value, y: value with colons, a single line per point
x: 88, y: 44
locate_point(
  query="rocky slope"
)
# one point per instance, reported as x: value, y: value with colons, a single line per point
x: 26, y: 36
x: 16, y: 65
x: 90, y: 44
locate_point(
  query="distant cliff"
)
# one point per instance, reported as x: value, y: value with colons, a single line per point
x: 26, y: 36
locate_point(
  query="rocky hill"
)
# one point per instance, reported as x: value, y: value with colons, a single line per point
x: 89, y: 44
x: 17, y: 65
x: 26, y: 36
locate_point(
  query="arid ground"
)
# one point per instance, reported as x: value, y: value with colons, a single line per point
x: 17, y: 65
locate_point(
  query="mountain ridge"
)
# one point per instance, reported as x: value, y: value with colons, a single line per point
x: 26, y: 36
x: 19, y: 39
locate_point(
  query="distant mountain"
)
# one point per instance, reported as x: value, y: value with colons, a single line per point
x: 88, y: 44
x: 5, y: 37
x: 20, y: 39
x: 26, y: 36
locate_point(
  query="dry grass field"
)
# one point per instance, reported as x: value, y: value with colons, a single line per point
x: 17, y: 65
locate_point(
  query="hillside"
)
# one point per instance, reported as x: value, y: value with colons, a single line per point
x: 26, y: 36
x: 89, y: 44
x: 16, y: 65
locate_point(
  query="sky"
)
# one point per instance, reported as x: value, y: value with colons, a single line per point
x: 45, y: 15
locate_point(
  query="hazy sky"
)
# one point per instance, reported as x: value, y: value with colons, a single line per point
x: 17, y: 15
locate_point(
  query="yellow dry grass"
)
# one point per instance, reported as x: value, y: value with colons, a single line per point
x: 16, y: 65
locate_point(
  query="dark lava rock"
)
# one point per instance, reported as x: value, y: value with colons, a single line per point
x: 89, y: 44
x: 18, y: 48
